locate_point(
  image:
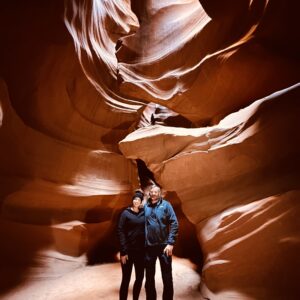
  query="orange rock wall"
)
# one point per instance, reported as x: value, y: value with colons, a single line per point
x: 205, y: 93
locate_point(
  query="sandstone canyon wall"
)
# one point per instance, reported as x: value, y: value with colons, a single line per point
x: 98, y: 98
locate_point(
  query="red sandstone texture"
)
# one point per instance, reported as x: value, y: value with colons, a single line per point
x: 99, y: 97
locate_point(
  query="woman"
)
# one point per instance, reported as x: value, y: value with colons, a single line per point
x: 131, y: 231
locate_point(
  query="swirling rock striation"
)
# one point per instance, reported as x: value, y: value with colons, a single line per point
x: 202, y: 93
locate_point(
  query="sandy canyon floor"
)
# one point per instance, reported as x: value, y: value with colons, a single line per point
x: 102, y: 282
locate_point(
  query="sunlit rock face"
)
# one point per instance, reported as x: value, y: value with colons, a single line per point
x: 254, y: 248
x: 251, y: 156
x: 63, y: 180
x: 232, y: 41
x: 204, y: 93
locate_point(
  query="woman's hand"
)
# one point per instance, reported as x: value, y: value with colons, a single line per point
x: 124, y: 259
x: 169, y: 250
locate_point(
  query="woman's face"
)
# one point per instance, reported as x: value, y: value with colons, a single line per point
x: 136, y: 202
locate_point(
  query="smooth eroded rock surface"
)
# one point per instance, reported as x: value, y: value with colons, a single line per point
x: 98, y: 98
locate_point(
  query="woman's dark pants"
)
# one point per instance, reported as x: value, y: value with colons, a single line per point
x: 136, y: 259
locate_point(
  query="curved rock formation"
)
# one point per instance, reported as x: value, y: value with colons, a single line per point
x: 155, y: 66
x: 251, y: 250
x: 199, y: 79
x: 203, y: 94
x: 216, y: 171
x: 63, y: 180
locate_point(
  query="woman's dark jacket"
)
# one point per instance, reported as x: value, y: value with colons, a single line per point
x: 131, y: 230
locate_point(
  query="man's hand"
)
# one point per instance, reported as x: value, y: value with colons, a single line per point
x: 124, y: 259
x: 168, y: 250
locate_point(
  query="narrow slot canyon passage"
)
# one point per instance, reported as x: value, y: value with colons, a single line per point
x: 101, y: 98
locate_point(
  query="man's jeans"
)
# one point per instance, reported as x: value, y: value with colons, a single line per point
x: 152, y: 253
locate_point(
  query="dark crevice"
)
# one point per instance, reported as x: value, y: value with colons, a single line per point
x: 145, y: 175
x: 187, y: 245
x: 165, y: 116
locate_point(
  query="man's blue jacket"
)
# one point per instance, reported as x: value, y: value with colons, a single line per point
x: 161, y: 226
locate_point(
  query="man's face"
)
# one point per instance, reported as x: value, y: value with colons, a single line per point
x: 154, y: 194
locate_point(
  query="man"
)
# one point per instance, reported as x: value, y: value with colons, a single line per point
x: 161, y: 228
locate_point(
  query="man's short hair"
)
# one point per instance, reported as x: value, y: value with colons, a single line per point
x: 154, y: 186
